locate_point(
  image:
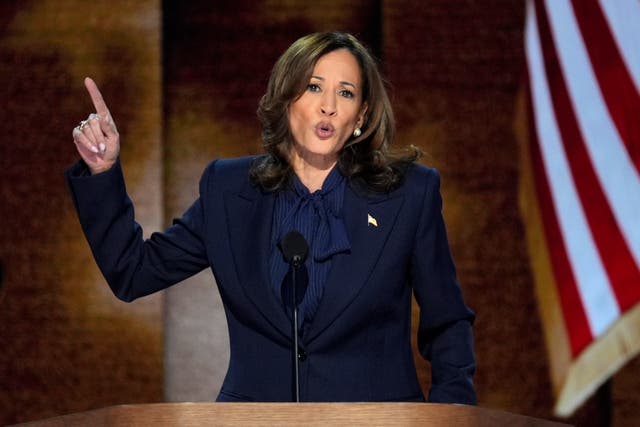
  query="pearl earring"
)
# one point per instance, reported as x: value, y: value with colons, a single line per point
x: 357, y: 132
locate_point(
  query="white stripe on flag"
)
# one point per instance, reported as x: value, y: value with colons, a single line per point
x: 593, y: 284
x: 613, y: 165
x: 623, y: 17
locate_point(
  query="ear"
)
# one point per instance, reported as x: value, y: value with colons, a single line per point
x: 363, y: 110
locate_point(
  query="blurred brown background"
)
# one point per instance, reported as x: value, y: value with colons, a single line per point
x: 183, y: 80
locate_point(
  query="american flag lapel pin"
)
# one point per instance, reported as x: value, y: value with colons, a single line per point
x: 371, y: 220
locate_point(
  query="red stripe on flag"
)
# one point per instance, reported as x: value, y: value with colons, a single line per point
x: 575, y: 317
x: 616, y: 84
x: 614, y: 252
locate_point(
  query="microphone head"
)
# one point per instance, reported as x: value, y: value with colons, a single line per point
x: 294, y: 248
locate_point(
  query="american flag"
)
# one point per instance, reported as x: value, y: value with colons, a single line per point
x: 580, y: 186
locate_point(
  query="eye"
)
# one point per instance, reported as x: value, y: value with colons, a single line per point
x: 346, y: 93
x: 312, y: 87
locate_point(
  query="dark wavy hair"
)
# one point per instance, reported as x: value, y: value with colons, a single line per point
x: 366, y: 157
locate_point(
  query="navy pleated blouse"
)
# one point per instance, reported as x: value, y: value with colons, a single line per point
x: 318, y: 217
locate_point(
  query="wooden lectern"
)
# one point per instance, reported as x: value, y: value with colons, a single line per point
x: 294, y: 414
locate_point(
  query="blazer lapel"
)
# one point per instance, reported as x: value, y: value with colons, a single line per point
x: 368, y: 222
x: 250, y: 216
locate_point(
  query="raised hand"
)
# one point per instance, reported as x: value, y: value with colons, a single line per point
x: 97, y: 138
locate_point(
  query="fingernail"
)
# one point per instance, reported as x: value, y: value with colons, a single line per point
x: 94, y: 149
x: 103, y: 148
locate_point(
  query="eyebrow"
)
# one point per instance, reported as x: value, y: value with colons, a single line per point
x: 346, y: 83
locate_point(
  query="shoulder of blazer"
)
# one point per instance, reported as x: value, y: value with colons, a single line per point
x: 231, y: 174
x: 417, y: 179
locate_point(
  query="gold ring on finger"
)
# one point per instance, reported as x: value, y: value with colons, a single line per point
x: 82, y: 124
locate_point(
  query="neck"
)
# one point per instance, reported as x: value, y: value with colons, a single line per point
x: 312, y: 178
x: 312, y: 173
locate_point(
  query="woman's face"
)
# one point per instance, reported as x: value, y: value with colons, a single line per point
x: 328, y: 111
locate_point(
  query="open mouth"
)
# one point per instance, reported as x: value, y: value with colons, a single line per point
x: 324, y: 130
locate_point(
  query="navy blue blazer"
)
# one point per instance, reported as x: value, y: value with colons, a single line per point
x: 357, y: 347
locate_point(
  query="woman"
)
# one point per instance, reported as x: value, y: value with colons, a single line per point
x: 372, y: 221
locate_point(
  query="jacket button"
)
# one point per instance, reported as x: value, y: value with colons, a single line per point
x: 302, y: 355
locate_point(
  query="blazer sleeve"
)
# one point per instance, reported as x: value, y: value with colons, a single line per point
x: 444, y: 334
x: 132, y: 266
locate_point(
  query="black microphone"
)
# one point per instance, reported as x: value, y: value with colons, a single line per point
x: 294, y: 249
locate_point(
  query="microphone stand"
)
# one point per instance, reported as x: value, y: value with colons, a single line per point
x: 294, y: 249
x: 296, y: 362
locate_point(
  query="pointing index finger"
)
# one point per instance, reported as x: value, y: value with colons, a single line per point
x: 96, y: 97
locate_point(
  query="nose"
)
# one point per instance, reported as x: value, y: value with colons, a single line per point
x: 328, y: 106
